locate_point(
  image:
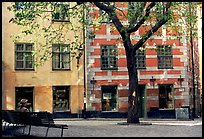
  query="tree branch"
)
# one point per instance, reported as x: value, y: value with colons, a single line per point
x: 155, y: 28
x: 138, y: 12
x: 110, y: 11
x: 143, y: 19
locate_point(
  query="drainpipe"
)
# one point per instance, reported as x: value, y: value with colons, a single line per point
x: 192, y: 58
x: 3, y: 70
x: 85, y: 99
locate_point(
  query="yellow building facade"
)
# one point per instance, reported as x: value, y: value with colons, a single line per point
x: 47, y: 87
x: 199, y: 11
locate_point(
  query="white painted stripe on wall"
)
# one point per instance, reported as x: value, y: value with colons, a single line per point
x: 93, y: 70
x: 108, y: 35
x: 123, y: 99
x: 183, y: 58
x: 164, y: 34
x: 152, y: 98
x: 132, y: 36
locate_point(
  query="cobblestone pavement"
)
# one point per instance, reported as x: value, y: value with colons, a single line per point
x: 106, y: 127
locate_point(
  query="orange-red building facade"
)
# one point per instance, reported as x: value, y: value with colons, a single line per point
x: 110, y: 87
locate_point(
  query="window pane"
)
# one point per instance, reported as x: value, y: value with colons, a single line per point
x: 28, y: 56
x: 56, y: 61
x: 19, y: 64
x: 65, y: 57
x: 28, y: 64
x: 65, y: 61
x: 29, y: 47
x: 65, y: 48
x: 19, y: 46
x: 19, y: 56
x: 56, y: 48
x: 112, y: 62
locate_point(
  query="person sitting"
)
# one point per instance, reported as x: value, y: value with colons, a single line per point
x: 24, y: 105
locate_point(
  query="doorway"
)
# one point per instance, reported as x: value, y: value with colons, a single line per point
x: 166, y: 96
x: 24, y: 93
x: 109, y: 98
x: 141, y: 100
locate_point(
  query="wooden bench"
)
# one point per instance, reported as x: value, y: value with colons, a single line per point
x: 32, y: 119
x: 45, y: 119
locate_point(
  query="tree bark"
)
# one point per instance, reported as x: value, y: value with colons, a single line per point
x: 133, y: 114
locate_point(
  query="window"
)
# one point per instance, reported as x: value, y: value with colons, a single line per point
x: 166, y: 97
x: 23, y: 56
x: 61, y: 56
x: 164, y: 55
x: 140, y: 58
x: 61, y: 101
x: 109, y: 55
x: 61, y: 11
x: 24, y: 10
x: 109, y: 101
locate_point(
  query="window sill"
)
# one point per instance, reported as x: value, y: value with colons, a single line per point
x: 24, y: 69
x: 61, y: 69
x: 167, y: 109
x: 62, y: 111
x: 141, y: 68
x: 109, y: 68
x: 110, y: 111
x: 55, y: 20
x: 165, y: 68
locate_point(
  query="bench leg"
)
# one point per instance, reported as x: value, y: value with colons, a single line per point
x: 47, y: 131
x: 62, y: 131
x: 29, y: 129
x: 24, y: 129
x: 13, y: 129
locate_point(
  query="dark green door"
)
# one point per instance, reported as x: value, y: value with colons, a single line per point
x: 141, y: 100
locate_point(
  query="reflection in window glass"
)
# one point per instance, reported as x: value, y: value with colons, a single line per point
x: 109, y: 100
x: 61, y: 98
x: 165, y: 97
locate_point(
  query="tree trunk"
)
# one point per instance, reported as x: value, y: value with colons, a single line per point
x: 133, y: 114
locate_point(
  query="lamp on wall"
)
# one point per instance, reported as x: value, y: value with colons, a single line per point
x: 152, y: 80
x: 80, y: 53
x: 180, y: 80
x: 93, y: 81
